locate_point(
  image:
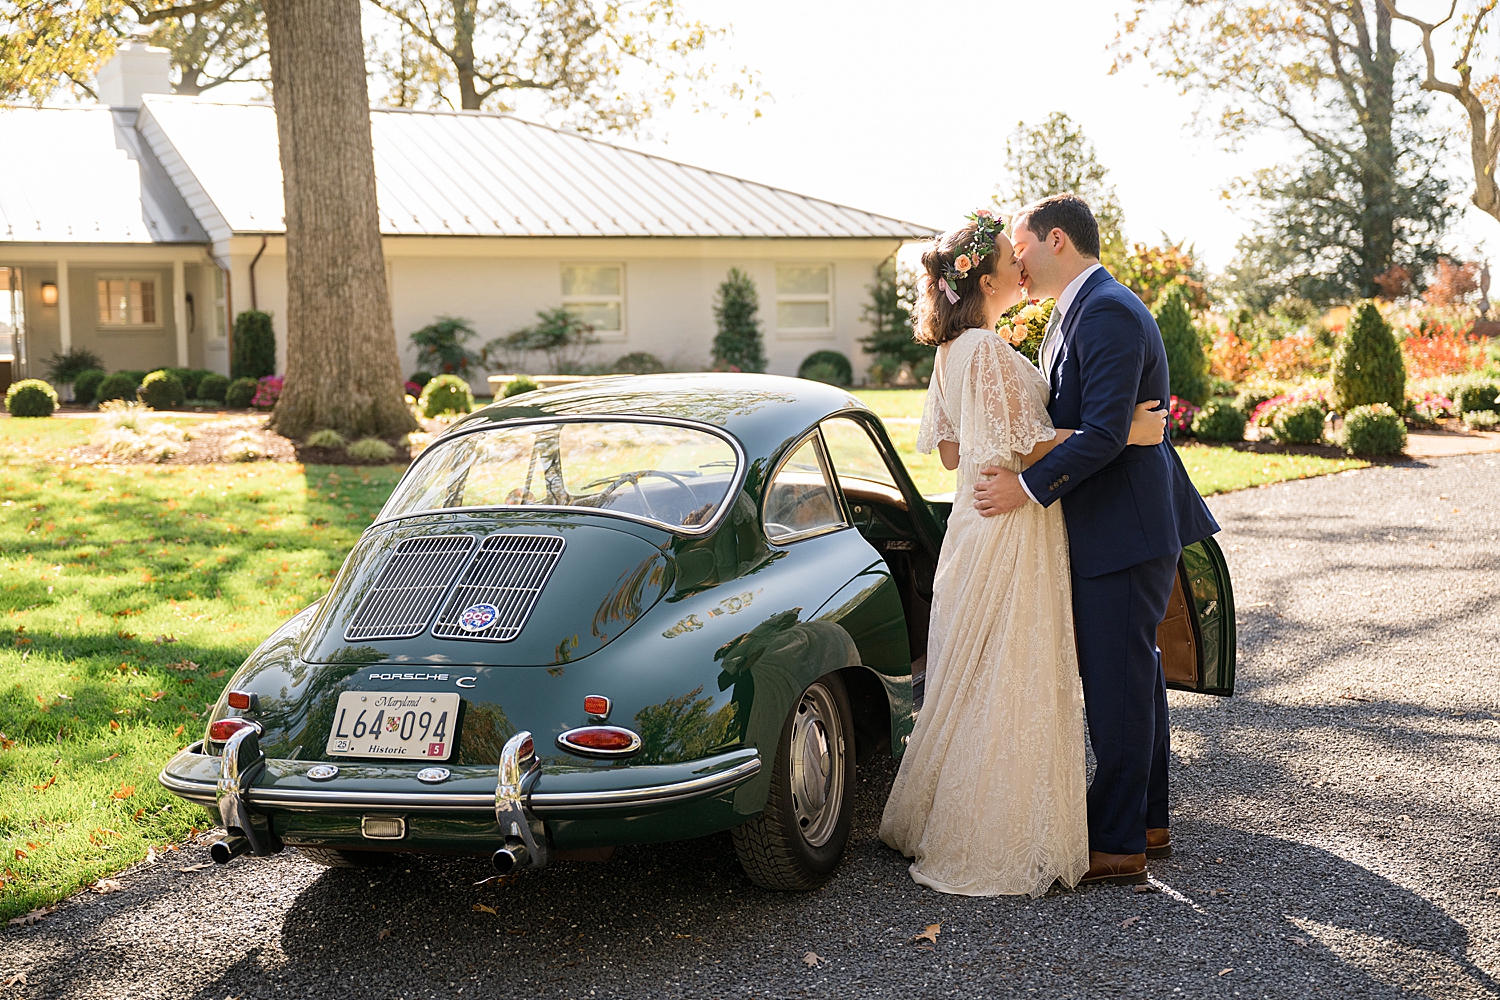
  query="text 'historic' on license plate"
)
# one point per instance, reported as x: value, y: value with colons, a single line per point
x: 400, y: 724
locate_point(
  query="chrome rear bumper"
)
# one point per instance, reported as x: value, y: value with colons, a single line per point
x: 192, y: 775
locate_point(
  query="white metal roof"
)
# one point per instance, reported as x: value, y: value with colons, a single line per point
x: 466, y: 173
x: 79, y: 175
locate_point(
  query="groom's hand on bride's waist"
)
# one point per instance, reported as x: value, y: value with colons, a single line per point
x: 998, y: 491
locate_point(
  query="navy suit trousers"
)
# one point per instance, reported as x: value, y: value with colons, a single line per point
x: 1125, y: 697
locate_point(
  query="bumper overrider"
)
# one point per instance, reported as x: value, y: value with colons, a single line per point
x: 513, y: 806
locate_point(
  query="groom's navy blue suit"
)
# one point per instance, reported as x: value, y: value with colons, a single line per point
x: 1130, y: 510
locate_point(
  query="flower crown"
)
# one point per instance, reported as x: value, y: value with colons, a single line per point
x: 986, y: 228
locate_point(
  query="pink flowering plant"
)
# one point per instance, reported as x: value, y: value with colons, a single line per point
x: 1429, y: 408
x: 1264, y: 415
x: 1180, y: 416
x: 267, y: 392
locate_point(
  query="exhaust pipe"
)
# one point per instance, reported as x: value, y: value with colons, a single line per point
x: 510, y: 858
x: 226, y: 850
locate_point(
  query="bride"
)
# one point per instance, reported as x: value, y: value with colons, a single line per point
x: 990, y: 796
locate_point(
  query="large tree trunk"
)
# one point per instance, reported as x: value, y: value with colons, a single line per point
x: 342, y: 370
x: 463, y: 47
x: 1379, y: 169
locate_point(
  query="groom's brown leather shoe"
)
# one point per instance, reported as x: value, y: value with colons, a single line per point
x: 1158, y: 842
x: 1115, y: 869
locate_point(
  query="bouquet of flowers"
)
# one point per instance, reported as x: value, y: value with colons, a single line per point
x: 1028, y: 323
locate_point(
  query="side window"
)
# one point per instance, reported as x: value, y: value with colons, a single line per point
x: 856, y: 460
x: 800, y: 500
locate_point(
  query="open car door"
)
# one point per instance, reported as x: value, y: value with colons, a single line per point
x: 1197, y: 638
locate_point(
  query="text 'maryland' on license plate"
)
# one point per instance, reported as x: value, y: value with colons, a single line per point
x: 399, y: 724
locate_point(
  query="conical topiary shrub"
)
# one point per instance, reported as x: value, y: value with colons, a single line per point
x: 1186, y: 361
x: 1367, y: 364
x: 254, y: 346
x: 737, y: 345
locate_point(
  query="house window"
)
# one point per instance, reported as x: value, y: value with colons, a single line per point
x: 804, y: 298
x: 595, y: 293
x: 127, y: 300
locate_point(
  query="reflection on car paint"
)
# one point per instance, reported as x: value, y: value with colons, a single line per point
x: 733, y: 605
x: 691, y: 623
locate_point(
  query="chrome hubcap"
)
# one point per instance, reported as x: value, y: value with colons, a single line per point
x: 817, y: 759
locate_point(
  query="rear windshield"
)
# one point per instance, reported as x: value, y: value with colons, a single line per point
x: 674, y: 476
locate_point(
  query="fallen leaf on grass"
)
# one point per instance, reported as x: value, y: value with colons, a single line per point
x: 105, y: 886
x: 178, y: 730
x: 196, y: 868
x: 183, y: 666
x: 6, y: 742
x: 106, y: 760
x: 1129, y: 921
x: 47, y: 784
x: 164, y: 638
x: 113, y: 724
x: 218, y: 673
x: 154, y: 696
x: 150, y: 855
x: 930, y: 934
x: 36, y: 916
x: 123, y: 792
x: 20, y: 855
x: 481, y: 908
x: 812, y: 959
x: 127, y: 636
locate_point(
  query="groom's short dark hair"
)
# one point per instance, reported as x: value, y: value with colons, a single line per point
x: 1069, y: 213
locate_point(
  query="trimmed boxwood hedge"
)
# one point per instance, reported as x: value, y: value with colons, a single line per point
x: 30, y: 397
x: 161, y: 390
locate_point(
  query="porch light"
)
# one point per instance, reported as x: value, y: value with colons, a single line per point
x: 49, y: 293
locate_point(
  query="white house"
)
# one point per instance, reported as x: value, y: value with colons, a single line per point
x: 138, y: 227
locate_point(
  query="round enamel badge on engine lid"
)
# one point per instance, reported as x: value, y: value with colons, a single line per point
x: 478, y: 617
x: 322, y: 772
x: 432, y: 775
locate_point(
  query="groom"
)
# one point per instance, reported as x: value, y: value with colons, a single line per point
x: 1129, y: 509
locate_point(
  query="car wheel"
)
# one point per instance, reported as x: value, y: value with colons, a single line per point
x: 339, y: 857
x: 796, y: 843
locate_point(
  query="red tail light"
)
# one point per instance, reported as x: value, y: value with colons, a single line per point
x: 527, y: 749
x: 600, y: 741
x: 219, y: 732
x: 242, y: 700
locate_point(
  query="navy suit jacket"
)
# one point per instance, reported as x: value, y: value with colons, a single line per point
x: 1124, y: 504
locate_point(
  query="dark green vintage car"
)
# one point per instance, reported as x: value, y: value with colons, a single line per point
x: 635, y: 610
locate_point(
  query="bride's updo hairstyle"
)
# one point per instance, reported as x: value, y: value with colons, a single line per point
x: 938, y: 319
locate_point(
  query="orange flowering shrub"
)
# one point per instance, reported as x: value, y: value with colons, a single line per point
x: 1291, y: 358
x: 1230, y: 357
x: 1443, y: 353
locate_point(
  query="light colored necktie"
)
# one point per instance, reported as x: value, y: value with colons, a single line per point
x: 1049, y: 345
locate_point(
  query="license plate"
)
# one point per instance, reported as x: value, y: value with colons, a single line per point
x: 400, y: 724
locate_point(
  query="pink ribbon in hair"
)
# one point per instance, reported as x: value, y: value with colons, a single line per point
x: 948, y: 291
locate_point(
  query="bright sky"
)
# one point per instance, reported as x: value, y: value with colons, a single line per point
x: 904, y: 108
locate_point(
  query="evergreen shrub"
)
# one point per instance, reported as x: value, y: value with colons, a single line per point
x: 1476, y: 395
x: 1373, y: 429
x: 161, y: 390
x: 239, y: 393
x: 638, y: 363
x: 254, y: 346
x: 738, y: 345
x: 371, y: 451
x: 120, y: 385
x: 1367, y: 363
x: 420, y: 378
x: 1219, y: 421
x: 1299, y: 423
x: 213, y: 386
x: 64, y: 368
x: 518, y: 385
x: 446, y: 394
x: 826, y: 366
x: 30, y: 397
x: 1186, y: 362
x: 1252, y: 396
x: 86, y: 385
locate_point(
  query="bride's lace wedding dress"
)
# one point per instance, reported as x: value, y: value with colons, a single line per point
x: 990, y: 796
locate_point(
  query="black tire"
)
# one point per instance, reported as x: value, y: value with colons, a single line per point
x: 339, y: 857
x: 797, y: 842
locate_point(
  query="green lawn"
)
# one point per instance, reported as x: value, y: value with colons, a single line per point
x: 127, y: 597
x: 129, y: 594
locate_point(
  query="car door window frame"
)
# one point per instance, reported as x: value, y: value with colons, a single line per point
x: 821, y: 450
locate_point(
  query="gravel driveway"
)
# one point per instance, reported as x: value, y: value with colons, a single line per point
x: 1336, y: 830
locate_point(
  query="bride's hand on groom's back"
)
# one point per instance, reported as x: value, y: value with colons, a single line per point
x: 1149, y: 424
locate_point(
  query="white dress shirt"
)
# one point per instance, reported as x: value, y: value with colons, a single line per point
x: 1053, y: 340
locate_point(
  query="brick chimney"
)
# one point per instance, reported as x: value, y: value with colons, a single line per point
x: 135, y: 69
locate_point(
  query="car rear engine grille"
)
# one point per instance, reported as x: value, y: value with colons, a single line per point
x: 401, y: 602
x: 501, y: 587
